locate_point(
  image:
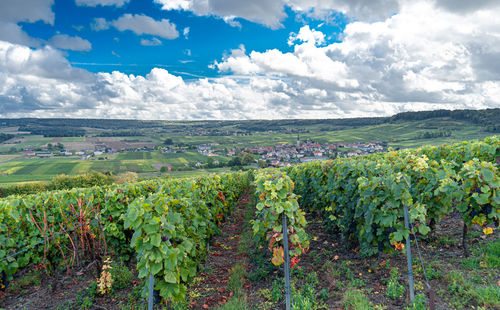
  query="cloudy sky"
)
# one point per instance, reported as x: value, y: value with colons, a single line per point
x: 241, y: 59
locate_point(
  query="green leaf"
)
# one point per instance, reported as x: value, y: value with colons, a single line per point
x: 423, y: 229
x: 155, y: 268
x: 156, y: 239
x: 488, y: 175
x: 170, y: 276
x: 482, y: 198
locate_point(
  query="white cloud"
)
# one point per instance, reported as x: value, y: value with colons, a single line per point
x: 66, y: 42
x: 152, y: 42
x: 307, y: 35
x: 13, y: 12
x: 417, y: 59
x: 271, y: 13
x: 44, y: 63
x: 12, y: 32
x: 427, y: 56
x: 118, y: 3
x: 27, y: 11
x: 99, y: 24
x: 142, y: 24
x: 265, y: 12
x: 175, y: 4
x: 185, y: 33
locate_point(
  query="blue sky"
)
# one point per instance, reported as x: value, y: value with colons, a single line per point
x: 240, y: 59
x: 187, y: 55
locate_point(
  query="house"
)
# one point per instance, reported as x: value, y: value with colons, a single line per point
x: 44, y: 155
x: 29, y: 154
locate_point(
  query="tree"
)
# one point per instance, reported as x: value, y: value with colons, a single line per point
x: 262, y: 163
x: 247, y: 159
x: 235, y: 161
x: 168, y: 141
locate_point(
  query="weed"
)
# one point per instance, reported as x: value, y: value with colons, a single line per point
x: 235, y: 303
x: 298, y: 272
x: 276, y: 293
x: 323, y: 295
x: 122, y: 276
x: 237, y: 279
x: 418, y: 303
x: 394, y: 288
x: 312, y: 278
x: 355, y: 299
x: 357, y: 283
x: 445, y: 241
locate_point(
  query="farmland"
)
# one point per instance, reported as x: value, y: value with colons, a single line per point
x: 15, y: 169
x: 122, y: 141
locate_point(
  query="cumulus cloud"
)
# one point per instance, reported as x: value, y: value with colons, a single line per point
x: 418, y: 59
x: 44, y: 63
x: 99, y: 24
x: 13, y: 12
x: 12, y: 32
x: 118, y: 3
x: 152, y: 42
x: 271, y: 13
x: 27, y: 11
x: 66, y: 42
x: 465, y: 6
x: 307, y: 35
x: 265, y: 12
x: 142, y: 24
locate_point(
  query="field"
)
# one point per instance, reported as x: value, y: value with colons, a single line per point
x: 15, y: 169
x: 405, y: 132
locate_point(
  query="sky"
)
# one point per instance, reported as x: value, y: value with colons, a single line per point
x: 240, y: 59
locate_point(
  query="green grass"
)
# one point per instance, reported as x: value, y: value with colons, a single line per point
x: 355, y: 299
x: 15, y: 169
x: 72, y: 139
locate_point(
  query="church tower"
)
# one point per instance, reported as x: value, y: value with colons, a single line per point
x: 298, y: 140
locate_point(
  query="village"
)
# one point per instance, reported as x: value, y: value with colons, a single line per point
x: 279, y: 155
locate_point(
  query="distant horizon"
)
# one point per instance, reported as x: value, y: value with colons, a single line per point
x: 239, y: 120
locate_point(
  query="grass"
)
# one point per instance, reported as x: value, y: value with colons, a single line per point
x: 355, y: 299
x: 15, y: 169
x: 477, y: 282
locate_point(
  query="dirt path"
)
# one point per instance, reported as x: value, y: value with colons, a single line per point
x: 210, y: 287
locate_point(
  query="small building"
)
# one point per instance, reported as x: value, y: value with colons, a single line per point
x: 29, y: 154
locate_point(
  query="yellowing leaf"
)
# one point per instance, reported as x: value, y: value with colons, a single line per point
x: 487, y: 230
x: 278, y: 254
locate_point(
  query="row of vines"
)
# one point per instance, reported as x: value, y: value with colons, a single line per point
x: 362, y: 198
x: 165, y: 223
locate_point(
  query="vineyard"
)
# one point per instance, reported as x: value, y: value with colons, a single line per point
x: 166, y: 228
